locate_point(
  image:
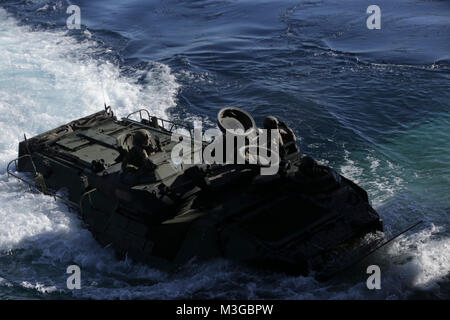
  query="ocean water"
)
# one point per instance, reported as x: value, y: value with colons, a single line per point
x: 373, y: 104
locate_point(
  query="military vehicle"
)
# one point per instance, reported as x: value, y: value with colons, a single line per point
x: 304, y: 218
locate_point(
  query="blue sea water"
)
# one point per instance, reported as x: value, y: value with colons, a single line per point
x: 373, y: 104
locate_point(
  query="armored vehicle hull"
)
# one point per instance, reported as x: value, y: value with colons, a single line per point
x: 295, y: 221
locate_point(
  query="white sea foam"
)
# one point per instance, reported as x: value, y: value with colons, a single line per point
x: 428, y: 255
x: 380, y: 178
x: 38, y: 287
x: 349, y: 169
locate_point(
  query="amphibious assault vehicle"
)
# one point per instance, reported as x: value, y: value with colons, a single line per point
x: 304, y: 218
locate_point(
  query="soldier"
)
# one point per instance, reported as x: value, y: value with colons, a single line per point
x: 286, y: 136
x: 137, y: 157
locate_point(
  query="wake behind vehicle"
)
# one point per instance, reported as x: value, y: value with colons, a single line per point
x: 304, y: 218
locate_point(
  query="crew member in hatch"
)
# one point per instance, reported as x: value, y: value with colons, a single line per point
x: 286, y: 136
x: 137, y: 159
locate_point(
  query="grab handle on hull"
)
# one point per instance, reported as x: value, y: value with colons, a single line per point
x: 32, y: 186
x: 87, y: 193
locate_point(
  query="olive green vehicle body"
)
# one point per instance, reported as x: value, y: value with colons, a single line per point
x: 288, y: 221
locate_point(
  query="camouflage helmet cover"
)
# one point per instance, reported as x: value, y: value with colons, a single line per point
x: 270, y: 122
x: 140, y: 137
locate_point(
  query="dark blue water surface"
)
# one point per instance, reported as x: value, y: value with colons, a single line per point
x: 374, y: 104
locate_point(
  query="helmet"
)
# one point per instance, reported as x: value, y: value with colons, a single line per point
x: 141, y: 137
x: 270, y: 122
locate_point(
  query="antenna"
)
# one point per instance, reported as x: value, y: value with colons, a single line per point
x: 103, y: 89
x: 17, y: 93
x: 12, y: 70
x: 103, y: 92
